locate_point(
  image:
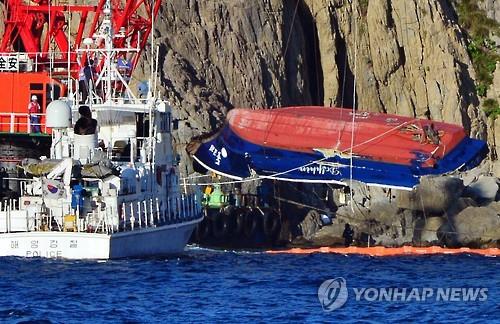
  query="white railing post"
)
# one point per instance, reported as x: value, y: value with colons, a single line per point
x: 158, y: 212
x: 28, y: 129
x: 12, y: 118
x: 8, y: 219
x: 77, y: 216
x: 139, y: 213
x: 132, y: 218
x: 183, y: 211
x: 145, y: 212
x: 168, y: 208
x: 124, y: 212
x: 151, y: 213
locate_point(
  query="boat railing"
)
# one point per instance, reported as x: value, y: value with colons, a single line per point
x: 36, y: 61
x: 27, y: 215
x: 21, y: 123
x: 151, y: 212
x: 135, y: 215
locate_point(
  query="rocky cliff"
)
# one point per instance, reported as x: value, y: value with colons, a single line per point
x: 406, y: 57
x: 491, y: 7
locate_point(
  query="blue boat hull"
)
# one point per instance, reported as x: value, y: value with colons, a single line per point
x: 231, y: 156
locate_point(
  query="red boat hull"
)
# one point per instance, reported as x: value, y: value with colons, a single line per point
x: 374, y: 136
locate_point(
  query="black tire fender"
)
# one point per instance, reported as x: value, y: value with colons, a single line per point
x: 202, y: 230
x: 271, y: 224
x: 252, y: 219
x: 220, y: 225
x: 239, y: 216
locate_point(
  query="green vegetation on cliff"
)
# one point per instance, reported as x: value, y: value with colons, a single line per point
x: 491, y: 107
x: 481, y: 48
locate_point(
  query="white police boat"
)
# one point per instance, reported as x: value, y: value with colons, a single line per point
x: 112, y: 192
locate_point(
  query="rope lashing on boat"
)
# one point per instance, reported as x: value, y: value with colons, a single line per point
x: 380, y: 135
x: 259, y: 177
x: 196, y: 176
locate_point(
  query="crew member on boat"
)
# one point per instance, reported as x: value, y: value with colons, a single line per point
x: 84, y: 80
x: 85, y: 125
x: 34, y: 110
x: 348, y: 235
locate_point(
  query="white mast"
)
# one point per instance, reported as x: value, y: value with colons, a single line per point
x: 108, y: 41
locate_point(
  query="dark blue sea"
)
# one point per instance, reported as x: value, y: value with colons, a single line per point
x: 214, y: 286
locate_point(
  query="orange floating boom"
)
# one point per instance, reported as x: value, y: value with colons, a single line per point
x: 389, y: 251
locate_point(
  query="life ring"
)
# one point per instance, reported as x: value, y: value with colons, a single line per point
x: 271, y: 224
x: 220, y: 225
x: 202, y: 230
x: 252, y: 219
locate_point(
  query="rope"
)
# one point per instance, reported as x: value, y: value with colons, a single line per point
x: 380, y: 135
x: 222, y: 183
x: 342, y: 99
x: 255, y: 178
x: 196, y: 177
x: 291, y: 27
x: 353, y: 110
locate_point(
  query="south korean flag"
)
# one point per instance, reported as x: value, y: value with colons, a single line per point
x: 53, y: 188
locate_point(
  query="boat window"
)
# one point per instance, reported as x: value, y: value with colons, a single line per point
x: 165, y: 120
x: 36, y: 86
x: 121, y: 150
x: 142, y: 125
x: 52, y: 95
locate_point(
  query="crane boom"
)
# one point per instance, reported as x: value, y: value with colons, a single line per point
x: 40, y: 28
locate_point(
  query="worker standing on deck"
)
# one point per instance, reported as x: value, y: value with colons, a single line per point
x: 34, y: 110
x: 84, y: 78
x: 85, y: 125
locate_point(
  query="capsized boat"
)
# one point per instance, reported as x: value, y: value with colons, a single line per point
x: 333, y: 145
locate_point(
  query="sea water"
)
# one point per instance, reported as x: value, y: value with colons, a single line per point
x: 214, y: 286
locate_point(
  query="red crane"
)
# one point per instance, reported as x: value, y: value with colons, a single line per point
x: 40, y: 27
x: 40, y: 30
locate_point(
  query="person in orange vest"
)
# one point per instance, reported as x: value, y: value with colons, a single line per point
x: 34, y: 110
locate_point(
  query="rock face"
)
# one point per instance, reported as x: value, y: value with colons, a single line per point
x: 425, y: 198
x: 491, y: 7
x: 440, y: 212
x: 477, y: 226
x: 484, y: 190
